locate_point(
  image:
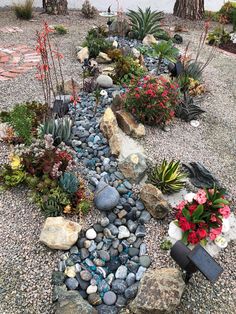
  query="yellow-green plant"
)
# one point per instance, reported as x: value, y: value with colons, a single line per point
x: 24, y: 11
x: 60, y: 29
x: 168, y: 177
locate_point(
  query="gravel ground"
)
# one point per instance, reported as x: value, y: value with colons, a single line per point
x: 26, y: 266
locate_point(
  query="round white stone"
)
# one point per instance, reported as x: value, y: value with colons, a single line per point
x: 91, y: 234
x: 174, y: 231
x: 195, y: 123
x: 189, y: 197
x: 225, y: 225
x: 91, y: 289
x: 221, y: 242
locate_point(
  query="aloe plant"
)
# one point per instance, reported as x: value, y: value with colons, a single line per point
x: 165, y: 50
x: 145, y: 22
x: 168, y: 177
x: 59, y: 128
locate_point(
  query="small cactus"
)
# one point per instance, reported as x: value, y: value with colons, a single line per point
x: 69, y: 182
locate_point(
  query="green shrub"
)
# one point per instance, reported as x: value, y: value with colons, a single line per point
x: 127, y: 69
x: 218, y: 36
x: 21, y: 119
x: 168, y: 177
x: 165, y: 50
x: 88, y: 10
x: 152, y: 100
x: 24, y: 11
x: 213, y: 16
x: 60, y: 29
x: 96, y: 43
x: 227, y: 10
x: 145, y: 22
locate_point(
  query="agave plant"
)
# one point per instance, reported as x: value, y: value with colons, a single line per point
x: 59, y: 128
x: 187, y: 110
x: 168, y: 177
x: 69, y: 182
x: 165, y: 50
x: 145, y: 22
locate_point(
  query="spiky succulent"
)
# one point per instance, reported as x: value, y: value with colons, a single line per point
x: 165, y: 50
x: 168, y: 177
x: 59, y: 128
x: 187, y: 110
x: 145, y: 22
x: 69, y: 182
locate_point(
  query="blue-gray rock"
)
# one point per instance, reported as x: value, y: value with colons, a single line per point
x: 140, y: 272
x: 58, y: 278
x: 106, y: 197
x: 131, y: 291
x: 132, y: 226
x: 104, y: 255
x: 145, y: 217
x: 132, y: 266
x: 98, y: 227
x: 142, y: 249
x: 103, y: 286
x: 114, y: 230
x: 92, y: 246
x: 84, y: 253
x: 71, y: 283
x: 133, y: 251
x: 130, y: 279
x: 110, y: 278
x: 145, y: 261
x: 119, y: 286
x: 104, y: 222
x: 140, y: 231
x: 85, y: 275
x: 83, y: 284
x: 121, y: 301
x: 121, y: 272
x: 109, y: 298
x: 139, y: 205
x: 123, y: 257
x: 74, y: 250
x: 107, y: 309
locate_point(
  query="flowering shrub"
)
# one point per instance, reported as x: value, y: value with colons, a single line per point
x: 202, y: 217
x: 153, y: 99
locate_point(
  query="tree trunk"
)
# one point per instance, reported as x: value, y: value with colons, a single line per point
x: 56, y: 6
x: 189, y: 9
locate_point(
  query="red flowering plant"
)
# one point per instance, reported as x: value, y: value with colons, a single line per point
x: 153, y: 99
x: 202, y: 218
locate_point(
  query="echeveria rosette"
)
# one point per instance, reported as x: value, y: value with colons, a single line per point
x: 202, y: 217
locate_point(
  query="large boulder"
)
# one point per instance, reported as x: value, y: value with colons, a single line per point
x: 83, y: 54
x: 149, y: 40
x: 105, y: 196
x: 154, y: 201
x: 120, y: 27
x: 133, y: 167
x: 108, y: 124
x: 104, y: 81
x: 59, y: 233
x: 160, y: 291
x: 71, y: 302
x: 128, y: 124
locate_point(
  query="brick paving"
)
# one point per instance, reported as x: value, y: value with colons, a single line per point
x: 16, y: 60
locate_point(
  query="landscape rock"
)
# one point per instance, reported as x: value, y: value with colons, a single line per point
x: 103, y: 58
x: 154, y: 201
x: 135, y: 53
x: 108, y: 124
x: 105, y: 196
x: 83, y: 54
x: 72, y: 302
x: 104, y: 81
x: 133, y: 167
x: 128, y: 124
x: 115, y: 144
x: 160, y: 291
x: 59, y: 233
x: 149, y: 40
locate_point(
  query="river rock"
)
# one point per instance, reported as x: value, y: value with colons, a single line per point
x: 104, y: 81
x: 105, y: 196
x: 109, y: 298
x: 160, y: 291
x: 154, y: 201
x: 133, y: 167
x: 59, y: 233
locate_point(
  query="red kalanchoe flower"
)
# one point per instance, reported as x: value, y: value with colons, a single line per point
x: 202, y: 234
x: 192, y: 238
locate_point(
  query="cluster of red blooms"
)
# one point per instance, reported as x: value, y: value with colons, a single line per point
x: 203, y: 217
x: 153, y: 99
